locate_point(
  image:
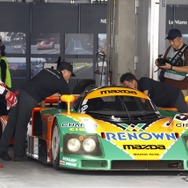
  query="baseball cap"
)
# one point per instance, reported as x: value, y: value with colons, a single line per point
x: 66, y: 66
x: 173, y: 33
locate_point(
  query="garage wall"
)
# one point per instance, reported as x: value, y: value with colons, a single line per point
x: 54, y: 20
x: 142, y: 55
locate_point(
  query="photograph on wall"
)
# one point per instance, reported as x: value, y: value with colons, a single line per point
x: 14, y: 42
x: 17, y: 66
x: 39, y: 63
x: 102, y: 41
x: 82, y: 67
x: 45, y: 43
x: 78, y: 44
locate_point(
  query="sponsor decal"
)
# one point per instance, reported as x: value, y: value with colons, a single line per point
x: 146, y: 154
x: 81, y: 124
x: 68, y: 124
x: 143, y: 147
x: 181, y: 117
x: 70, y: 164
x: 84, y: 108
x: 118, y: 91
x: 76, y: 129
x: 68, y: 161
x: 182, y: 125
x: 139, y: 136
x: 132, y: 127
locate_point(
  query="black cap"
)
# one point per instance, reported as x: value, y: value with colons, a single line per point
x: 173, y: 33
x: 66, y: 66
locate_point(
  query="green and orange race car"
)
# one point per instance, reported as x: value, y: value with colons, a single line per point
x: 108, y: 128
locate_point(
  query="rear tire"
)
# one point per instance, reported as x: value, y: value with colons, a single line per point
x: 55, y: 146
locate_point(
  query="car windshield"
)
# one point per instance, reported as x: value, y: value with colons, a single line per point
x: 118, y: 105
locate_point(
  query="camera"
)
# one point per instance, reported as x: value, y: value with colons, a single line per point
x: 161, y: 61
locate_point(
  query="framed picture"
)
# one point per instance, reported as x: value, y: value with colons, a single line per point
x: 17, y: 66
x: 39, y: 63
x: 45, y: 43
x: 14, y: 42
x: 78, y: 44
x: 82, y: 67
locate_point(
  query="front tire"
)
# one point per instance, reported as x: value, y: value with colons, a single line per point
x: 55, y: 146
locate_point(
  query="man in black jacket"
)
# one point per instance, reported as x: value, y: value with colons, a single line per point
x: 46, y: 83
x: 162, y: 94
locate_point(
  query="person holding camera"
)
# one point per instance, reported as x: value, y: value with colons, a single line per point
x: 174, y: 62
x: 162, y: 94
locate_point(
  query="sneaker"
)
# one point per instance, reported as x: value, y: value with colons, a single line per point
x: 5, y: 156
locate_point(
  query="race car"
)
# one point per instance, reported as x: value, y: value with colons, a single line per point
x: 46, y: 44
x: 109, y: 129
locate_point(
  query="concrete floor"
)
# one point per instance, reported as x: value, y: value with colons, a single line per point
x: 32, y: 174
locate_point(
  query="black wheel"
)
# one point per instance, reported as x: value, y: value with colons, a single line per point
x: 82, y: 85
x: 55, y: 146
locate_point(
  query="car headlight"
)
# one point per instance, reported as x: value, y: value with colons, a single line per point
x: 89, y: 145
x: 73, y: 145
x: 78, y: 144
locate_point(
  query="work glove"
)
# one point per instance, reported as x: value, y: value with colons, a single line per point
x: 11, y: 99
x: 2, y: 88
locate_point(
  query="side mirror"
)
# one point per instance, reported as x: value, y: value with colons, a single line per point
x: 68, y: 99
x: 186, y: 99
